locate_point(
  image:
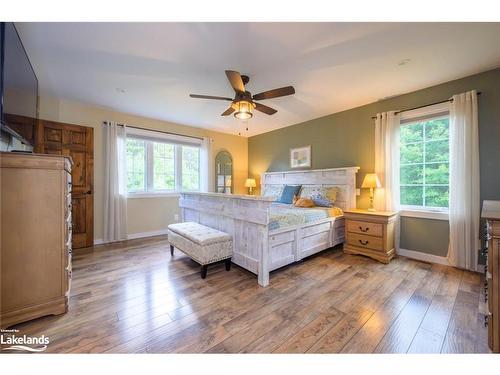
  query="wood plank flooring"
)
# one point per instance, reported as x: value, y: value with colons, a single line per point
x: 133, y: 297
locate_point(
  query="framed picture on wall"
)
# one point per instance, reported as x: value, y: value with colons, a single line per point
x: 300, y: 157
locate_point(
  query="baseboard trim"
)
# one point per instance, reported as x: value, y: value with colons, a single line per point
x: 133, y: 236
x: 429, y: 258
x: 152, y: 233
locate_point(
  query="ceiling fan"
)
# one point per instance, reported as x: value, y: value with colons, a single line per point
x: 243, y: 102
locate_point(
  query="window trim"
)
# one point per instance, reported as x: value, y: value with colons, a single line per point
x: 152, y: 194
x: 150, y: 138
x: 430, y: 112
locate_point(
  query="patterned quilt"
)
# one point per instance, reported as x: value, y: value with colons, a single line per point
x: 285, y: 215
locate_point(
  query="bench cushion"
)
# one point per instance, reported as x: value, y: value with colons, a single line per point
x: 200, y: 234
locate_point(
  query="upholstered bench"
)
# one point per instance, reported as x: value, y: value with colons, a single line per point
x: 203, y: 244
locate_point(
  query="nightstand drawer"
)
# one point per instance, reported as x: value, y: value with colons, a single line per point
x: 362, y: 240
x: 364, y: 227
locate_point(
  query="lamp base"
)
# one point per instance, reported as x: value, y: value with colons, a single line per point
x: 372, y: 208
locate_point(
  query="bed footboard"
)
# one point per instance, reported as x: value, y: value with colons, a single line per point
x: 244, y: 217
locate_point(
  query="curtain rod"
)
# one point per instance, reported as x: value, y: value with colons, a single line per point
x: 423, y: 106
x: 159, y: 131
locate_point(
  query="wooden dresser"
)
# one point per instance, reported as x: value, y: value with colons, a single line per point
x: 491, y: 213
x: 36, y: 236
x: 370, y: 233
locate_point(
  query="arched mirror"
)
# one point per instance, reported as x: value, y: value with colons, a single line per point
x: 224, y: 172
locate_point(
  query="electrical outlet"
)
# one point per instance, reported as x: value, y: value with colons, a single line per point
x: 358, y: 192
x: 176, y: 217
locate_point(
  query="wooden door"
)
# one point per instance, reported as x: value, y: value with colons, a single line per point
x: 77, y: 142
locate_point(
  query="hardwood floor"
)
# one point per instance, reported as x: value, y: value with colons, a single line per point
x: 133, y: 297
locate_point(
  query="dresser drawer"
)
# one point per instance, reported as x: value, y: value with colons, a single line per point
x: 362, y: 240
x: 364, y: 227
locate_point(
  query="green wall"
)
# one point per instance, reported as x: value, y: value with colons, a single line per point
x: 347, y: 139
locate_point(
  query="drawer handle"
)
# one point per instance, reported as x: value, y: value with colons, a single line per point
x: 364, y: 243
x: 364, y: 230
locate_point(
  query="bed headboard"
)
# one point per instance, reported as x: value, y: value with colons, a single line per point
x: 343, y: 178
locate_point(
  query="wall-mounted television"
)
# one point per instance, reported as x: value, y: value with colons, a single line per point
x: 18, y: 86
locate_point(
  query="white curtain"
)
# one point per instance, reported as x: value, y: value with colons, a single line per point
x: 387, y: 161
x: 464, y: 182
x: 206, y: 183
x: 115, y: 182
x: 387, y: 126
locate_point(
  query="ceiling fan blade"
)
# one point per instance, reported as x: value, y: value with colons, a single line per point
x: 235, y: 80
x: 276, y: 93
x: 265, y: 109
x: 209, y: 97
x: 228, y: 111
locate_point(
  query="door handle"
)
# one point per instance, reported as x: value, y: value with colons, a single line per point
x: 89, y: 192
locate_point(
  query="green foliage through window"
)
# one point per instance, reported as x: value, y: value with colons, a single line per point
x: 424, y: 163
x: 190, y: 168
x: 163, y: 166
x: 159, y: 166
x: 136, y: 164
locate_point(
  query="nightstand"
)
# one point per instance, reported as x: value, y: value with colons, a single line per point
x: 370, y: 233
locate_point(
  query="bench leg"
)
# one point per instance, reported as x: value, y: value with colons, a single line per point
x: 171, y: 250
x: 204, y: 271
x: 228, y: 264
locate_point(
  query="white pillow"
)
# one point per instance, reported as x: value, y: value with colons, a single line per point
x: 273, y: 190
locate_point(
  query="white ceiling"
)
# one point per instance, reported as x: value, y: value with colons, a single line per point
x: 333, y: 66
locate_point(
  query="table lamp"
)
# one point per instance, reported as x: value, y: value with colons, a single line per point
x: 250, y: 184
x: 371, y: 181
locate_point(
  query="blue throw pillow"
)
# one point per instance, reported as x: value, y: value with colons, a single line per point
x: 288, y: 193
x: 321, y: 201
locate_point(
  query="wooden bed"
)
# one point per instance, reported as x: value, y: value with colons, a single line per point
x: 246, y: 218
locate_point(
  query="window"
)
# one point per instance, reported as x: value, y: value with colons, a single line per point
x: 190, y: 168
x: 424, y: 163
x: 163, y: 166
x: 160, y: 166
x: 136, y: 165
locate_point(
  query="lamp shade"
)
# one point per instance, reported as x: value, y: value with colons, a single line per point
x: 371, y: 181
x: 250, y: 182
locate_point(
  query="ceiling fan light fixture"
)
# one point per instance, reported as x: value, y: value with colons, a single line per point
x: 243, y: 110
x: 244, y: 103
